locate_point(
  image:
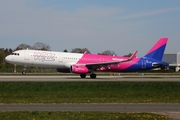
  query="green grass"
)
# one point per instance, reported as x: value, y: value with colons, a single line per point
x: 79, y: 116
x: 89, y: 92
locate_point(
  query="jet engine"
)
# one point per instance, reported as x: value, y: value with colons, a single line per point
x: 79, y: 69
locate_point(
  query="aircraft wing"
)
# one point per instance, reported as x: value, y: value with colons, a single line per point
x: 111, y: 62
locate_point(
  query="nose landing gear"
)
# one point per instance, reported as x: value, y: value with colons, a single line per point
x: 24, y: 70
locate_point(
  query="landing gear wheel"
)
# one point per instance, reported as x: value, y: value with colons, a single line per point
x: 93, y: 75
x: 83, y: 75
x: 23, y: 72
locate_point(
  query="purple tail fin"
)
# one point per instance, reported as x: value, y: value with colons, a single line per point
x: 157, y: 50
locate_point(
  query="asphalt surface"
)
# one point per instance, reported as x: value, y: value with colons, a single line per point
x: 114, y: 107
x: 77, y: 78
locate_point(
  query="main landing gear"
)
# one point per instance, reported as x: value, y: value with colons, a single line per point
x: 92, y: 75
x: 83, y: 75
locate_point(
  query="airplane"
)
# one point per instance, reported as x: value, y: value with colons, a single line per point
x: 90, y: 63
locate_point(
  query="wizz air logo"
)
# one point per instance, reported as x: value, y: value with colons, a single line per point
x: 44, y: 56
x: 118, y: 59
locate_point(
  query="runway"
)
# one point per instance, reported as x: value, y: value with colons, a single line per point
x: 114, y: 107
x: 98, y: 79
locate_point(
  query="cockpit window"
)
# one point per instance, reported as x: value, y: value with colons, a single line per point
x: 15, y: 54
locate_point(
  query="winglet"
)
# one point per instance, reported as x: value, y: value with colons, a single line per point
x: 133, y: 55
x: 85, y: 52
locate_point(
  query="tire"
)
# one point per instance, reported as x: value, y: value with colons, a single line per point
x: 23, y: 72
x: 93, y: 76
x: 83, y: 75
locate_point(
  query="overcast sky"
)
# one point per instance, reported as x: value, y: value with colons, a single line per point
x: 122, y: 26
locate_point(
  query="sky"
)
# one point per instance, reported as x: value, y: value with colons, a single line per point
x: 122, y: 26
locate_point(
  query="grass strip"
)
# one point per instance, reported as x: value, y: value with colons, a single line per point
x: 89, y: 92
x: 24, y: 115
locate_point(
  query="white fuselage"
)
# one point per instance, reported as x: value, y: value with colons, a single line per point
x: 43, y: 58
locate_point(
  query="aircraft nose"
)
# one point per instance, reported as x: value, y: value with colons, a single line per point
x: 8, y: 58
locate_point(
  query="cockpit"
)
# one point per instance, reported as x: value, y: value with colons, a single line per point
x: 17, y: 54
x: 13, y: 57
